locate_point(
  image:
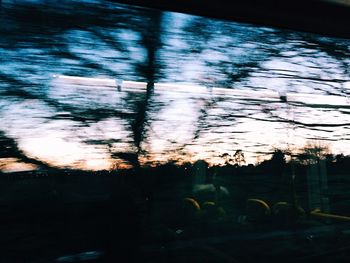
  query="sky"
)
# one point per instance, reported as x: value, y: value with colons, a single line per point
x: 198, y: 110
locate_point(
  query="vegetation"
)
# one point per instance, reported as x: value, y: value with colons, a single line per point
x: 176, y: 210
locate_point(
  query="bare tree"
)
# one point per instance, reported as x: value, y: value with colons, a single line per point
x: 313, y: 152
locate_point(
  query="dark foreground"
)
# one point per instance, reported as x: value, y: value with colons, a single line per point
x: 59, y: 218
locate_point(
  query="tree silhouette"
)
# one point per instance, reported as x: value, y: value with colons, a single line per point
x: 236, y: 159
x: 152, y: 42
x: 313, y: 152
x: 231, y: 60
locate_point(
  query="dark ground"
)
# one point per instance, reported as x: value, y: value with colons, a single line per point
x: 68, y: 215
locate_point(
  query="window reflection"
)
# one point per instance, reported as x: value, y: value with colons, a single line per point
x: 141, y: 134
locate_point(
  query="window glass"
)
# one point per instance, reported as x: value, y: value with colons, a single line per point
x: 131, y: 133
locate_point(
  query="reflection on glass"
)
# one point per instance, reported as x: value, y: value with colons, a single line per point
x: 132, y: 129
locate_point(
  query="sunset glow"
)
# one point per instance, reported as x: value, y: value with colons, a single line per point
x: 232, y: 92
